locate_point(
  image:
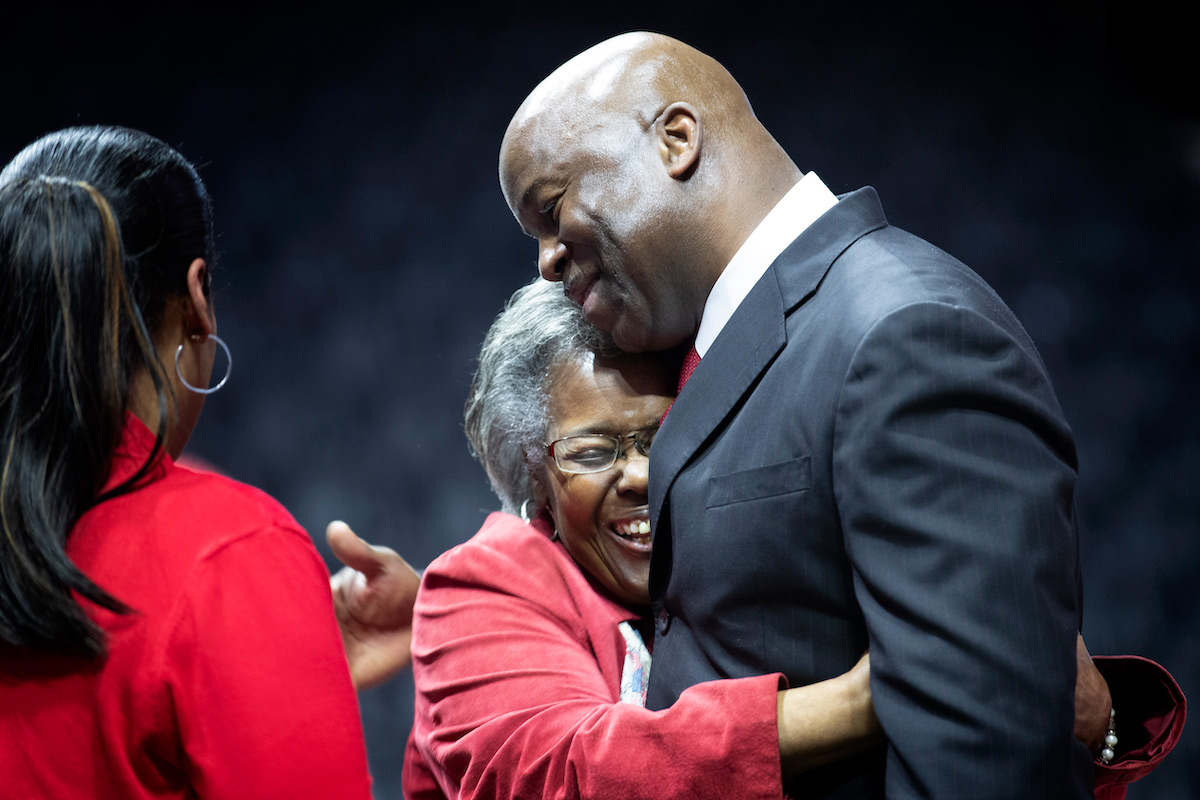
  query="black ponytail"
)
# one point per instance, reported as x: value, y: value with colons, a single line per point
x: 97, y: 229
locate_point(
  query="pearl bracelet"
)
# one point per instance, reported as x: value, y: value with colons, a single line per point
x: 1110, y: 739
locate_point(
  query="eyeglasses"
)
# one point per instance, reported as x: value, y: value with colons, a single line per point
x: 596, y: 452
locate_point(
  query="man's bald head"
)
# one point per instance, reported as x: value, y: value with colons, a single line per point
x: 635, y: 75
x: 640, y: 168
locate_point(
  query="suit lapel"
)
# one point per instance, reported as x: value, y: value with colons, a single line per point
x: 754, y: 335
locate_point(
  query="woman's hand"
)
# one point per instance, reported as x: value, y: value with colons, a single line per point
x: 1093, y: 702
x: 826, y: 721
x: 373, y: 596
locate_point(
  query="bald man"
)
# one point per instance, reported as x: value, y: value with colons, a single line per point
x: 869, y: 454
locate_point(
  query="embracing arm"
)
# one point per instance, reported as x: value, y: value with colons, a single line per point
x: 520, y: 667
x: 826, y: 721
x: 832, y: 719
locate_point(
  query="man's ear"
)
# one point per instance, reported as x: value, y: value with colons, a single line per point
x: 680, y: 136
x: 198, y: 313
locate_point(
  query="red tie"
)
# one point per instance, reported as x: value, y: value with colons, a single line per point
x: 690, y: 361
x: 689, y: 366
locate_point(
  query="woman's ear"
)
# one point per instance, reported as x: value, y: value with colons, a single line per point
x: 198, y: 313
x: 540, y: 503
x: 680, y: 136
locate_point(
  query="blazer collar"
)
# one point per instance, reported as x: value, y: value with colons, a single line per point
x: 754, y: 335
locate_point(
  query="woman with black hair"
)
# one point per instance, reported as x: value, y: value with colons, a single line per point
x: 145, y: 651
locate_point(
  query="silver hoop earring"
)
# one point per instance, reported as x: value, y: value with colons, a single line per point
x: 537, y: 512
x: 228, y: 367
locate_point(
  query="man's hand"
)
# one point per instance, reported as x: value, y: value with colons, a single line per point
x: 1092, y: 700
x: 373, y: 596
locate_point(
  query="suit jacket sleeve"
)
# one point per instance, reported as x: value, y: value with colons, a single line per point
x: 954, y: 477
x: 517, y: 671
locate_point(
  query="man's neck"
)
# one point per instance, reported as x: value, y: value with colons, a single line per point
x: 807, y: 200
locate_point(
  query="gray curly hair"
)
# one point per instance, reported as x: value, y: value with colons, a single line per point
x: 506, y: 413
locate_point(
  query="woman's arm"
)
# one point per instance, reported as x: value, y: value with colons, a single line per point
x: 827, y: 721
x: 517, y: 665
x: 1151, y: 711
x: 834, y: 718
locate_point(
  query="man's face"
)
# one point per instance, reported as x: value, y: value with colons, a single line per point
x: 594, y: 196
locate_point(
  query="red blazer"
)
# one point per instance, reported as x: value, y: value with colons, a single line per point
x: 228, y: 681
x: 517, y: 663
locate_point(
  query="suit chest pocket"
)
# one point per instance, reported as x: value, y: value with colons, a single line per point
x: 771, y: 480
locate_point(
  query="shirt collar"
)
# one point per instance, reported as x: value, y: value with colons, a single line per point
x: 134, y: 448
x: 795, y: 211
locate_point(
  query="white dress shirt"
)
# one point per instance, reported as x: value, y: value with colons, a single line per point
x: 794, y: 212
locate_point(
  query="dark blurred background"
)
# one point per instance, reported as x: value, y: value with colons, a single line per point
x: 365, y: 245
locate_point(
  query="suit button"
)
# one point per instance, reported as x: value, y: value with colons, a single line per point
x: 662, y: 621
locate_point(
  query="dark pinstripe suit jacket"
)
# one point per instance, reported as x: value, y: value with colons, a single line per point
x: 871, y: 455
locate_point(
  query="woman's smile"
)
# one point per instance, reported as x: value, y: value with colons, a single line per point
x: 602, y: 515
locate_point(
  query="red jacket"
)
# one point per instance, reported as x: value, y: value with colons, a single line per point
x: 1151, y: 711
x: 517, y: 662
x: 228, y: 681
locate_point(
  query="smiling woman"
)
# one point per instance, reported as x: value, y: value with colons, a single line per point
x: 528, y: 656
x: 607, y: 409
